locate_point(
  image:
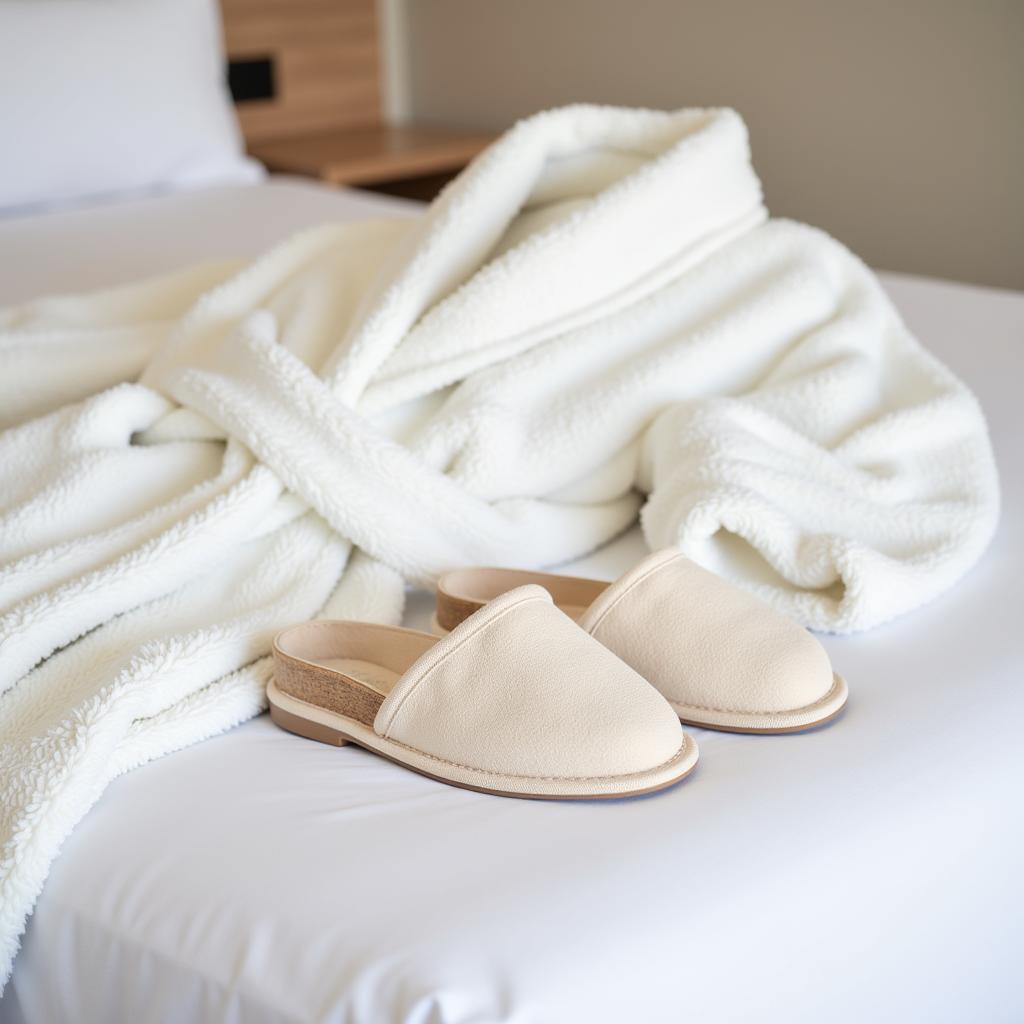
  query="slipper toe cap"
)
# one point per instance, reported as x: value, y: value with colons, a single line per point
x: 721, y: 656
x: 519, y: 691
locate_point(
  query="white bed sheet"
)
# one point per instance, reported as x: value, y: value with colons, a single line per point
x: 868, y: 870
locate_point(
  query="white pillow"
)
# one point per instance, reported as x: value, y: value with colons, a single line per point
x: 99, y: 97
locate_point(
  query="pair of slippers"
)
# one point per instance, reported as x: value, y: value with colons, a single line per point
x: 555, y: 687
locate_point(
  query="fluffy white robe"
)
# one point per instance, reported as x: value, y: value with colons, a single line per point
x: 594, y: 321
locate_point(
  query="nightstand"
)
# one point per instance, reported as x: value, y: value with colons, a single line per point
x: 404, y: 160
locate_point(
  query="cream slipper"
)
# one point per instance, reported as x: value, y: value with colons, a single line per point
x: 722, y: 658
x: 516, y: 700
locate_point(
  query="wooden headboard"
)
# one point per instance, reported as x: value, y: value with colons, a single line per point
x: 324, y: 64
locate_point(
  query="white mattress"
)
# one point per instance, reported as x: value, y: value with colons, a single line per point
x: 868, y: 870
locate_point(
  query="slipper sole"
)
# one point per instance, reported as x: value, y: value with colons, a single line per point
x: 316, y: 723
x: 828, y: 707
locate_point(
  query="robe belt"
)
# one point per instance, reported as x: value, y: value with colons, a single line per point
x: 374, y: 491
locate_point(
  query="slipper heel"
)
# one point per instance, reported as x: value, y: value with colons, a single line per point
x: 450, y: 611
x: 303, y: 690
x: 306, y: 728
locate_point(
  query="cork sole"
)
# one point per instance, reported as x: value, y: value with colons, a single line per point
x: 324, y: 726
x: 307, y: 665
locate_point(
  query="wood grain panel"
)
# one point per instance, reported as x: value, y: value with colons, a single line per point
x: 379, y: 153
x: 326, y: 59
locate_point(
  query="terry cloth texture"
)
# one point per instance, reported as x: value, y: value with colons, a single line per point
x: 594, y: 320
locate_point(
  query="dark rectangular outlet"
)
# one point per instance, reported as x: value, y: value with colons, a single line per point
x: 251, y: 79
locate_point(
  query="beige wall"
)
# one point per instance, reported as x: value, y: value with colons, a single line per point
x: 897, y: 125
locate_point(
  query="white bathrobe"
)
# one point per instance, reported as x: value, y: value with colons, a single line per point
x: 594, y: 321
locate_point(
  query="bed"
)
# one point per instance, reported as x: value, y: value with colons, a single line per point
x: 866, y: 870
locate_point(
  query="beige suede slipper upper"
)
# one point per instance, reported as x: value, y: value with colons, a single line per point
x: 516, y: 700
x: 722, y: 658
